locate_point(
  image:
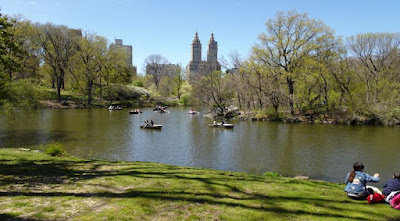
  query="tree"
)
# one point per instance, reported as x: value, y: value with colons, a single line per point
x: 233, y: 68
x: 291, y: 39
x: 91, y: 51
x: 9, y: 52
x: 179, y: 79
x: 155, y: 66
x: 377, y: 59
x: 213, y: 89
x: 116, y: 67
x: 23, y: 32
x: 58, y: 44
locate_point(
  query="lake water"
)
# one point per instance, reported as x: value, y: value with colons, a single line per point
x: 325, y: 152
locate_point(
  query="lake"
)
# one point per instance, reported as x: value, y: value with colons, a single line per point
x: 325, y: 152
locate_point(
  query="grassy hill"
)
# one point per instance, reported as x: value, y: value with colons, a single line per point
x: 35, y: 186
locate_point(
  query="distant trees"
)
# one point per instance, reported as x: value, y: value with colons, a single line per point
x: 377, y: 59
x: 53, y: 55
x: 155, y: 67
x: 300, y: 67
x: 213, y: 88
x: 167, y: 78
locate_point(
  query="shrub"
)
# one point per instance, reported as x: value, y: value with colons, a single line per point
x: 54, y: 149
x: 184, y: 100
x: 25, y: 93
x: 138, y: 83
x: 271, y: 174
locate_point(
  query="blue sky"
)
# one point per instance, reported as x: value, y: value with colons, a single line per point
x: 167, y: 27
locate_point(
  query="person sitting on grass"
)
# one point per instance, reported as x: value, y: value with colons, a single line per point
x: 392, y: 185
x: 356, y: 182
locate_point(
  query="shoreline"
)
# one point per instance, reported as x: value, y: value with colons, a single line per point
x: 318, y: 118
x: 308, y: 118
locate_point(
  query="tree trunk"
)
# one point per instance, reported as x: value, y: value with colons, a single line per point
x: 53, y: 79
x: 89, y: 92
x: 59, y: 89
x: 62, y: 83
x: 326, y: 94
x: 291, y: 92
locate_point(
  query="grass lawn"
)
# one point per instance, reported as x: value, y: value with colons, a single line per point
x: 35, y: 186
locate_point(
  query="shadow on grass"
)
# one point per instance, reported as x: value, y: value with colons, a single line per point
x: 220, y: 188
x: 8, y: 217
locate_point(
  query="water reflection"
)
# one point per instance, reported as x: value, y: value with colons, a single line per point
x: 320, y: 151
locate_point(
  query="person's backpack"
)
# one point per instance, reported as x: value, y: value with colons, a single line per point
x: 375, y: 198
x: 395, y: 201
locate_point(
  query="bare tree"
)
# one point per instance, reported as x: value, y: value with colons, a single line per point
x: 213, y: 88
x: 377, y: 55
x: 155, y: 66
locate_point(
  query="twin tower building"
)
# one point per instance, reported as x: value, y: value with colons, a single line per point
x: 196, y: 67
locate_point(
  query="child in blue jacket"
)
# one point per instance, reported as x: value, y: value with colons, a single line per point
x: 356, y: 182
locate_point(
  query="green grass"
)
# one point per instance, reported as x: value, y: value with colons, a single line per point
x: 39, y: 186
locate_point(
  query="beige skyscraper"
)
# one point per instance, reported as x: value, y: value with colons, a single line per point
x: 196, y: 67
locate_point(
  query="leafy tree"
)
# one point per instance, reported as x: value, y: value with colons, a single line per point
x: 10, y: 50
x: 179, y: 80
x: 58, y: 44
x: 291, y: 39
x: 92, y: 55
x: 23, y: 32
x: 115, y: 69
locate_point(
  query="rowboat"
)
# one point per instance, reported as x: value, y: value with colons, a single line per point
x: 155, y: 126
x: 135, y: 112
x: 160, y: 108
x: 161, y: 111
x: 115, y: 106
x: 228, y: 126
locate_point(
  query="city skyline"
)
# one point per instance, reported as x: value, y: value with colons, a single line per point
x: 167, y: 27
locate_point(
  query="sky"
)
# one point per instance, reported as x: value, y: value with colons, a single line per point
x: 167, y: 27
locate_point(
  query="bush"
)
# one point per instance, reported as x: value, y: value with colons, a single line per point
x: 138, y: 83
x: 271, y: 174
x: 25, y: 93
x: 54, y: 149
x: 184, y: 100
